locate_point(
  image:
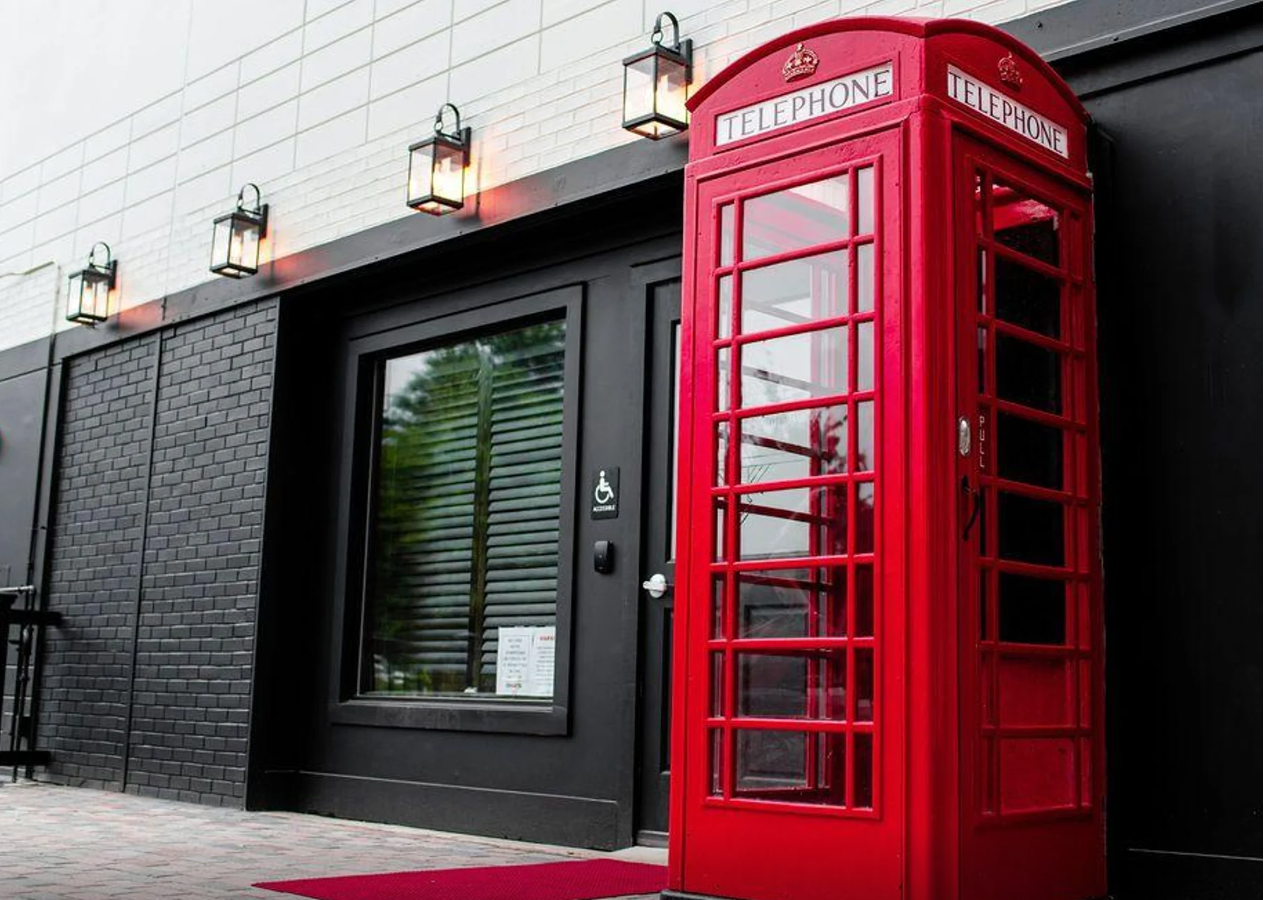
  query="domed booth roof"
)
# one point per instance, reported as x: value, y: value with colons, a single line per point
x: 926, y: 58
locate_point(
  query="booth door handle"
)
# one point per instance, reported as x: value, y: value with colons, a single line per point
x: 656, y: 586
x: 977, y: 497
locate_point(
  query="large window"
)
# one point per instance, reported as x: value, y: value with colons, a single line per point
x: 462, y: 585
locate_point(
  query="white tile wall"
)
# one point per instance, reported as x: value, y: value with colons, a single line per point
x: 317, y: 101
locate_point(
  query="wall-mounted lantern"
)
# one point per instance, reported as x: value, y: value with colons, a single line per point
x: 235, y: 244
x: 436, y: 167
x: 88, y: 300
x: 656, y: 82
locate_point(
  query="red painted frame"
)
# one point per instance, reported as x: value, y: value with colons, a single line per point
x: 924, y: 835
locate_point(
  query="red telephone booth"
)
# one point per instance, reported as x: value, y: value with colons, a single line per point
x: 889, y: 625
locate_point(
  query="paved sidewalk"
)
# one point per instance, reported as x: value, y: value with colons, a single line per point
x: 60, y: 843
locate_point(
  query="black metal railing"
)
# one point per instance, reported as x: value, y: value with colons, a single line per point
x: 22, y: 626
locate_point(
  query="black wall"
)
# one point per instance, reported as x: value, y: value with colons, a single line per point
x: 154, y: 560
x: 1179, y: 344
x: 574, y: 786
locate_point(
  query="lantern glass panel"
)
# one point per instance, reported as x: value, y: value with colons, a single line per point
x: 448, y: 180
x: 243, y: 247
x: 673, y: 82
x: 420, y: 172
x: 75, y: 296
x: 638, y: 92
x: 97, y: 295
x: 220, y: 242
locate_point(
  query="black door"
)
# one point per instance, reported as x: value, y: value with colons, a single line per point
x: 658, y: 563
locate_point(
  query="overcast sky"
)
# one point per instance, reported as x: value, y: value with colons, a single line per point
x: 71, y: 67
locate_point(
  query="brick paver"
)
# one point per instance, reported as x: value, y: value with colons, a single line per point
x: 60, y: 843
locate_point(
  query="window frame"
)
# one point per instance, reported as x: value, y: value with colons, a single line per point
x: 432, y: 325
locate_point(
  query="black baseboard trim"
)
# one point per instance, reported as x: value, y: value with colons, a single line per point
x: 489, y: 812
x: 669, y: 894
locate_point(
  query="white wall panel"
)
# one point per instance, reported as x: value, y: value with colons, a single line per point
x: 316, y: 101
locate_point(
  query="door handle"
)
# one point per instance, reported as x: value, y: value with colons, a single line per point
x: 656, y: 586
x: 977, y: 496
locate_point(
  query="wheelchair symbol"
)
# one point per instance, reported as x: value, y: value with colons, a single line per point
x: 603, y: 493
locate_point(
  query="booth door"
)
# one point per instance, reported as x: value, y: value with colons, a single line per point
x: 1027, y: 469
x: 792, y: 786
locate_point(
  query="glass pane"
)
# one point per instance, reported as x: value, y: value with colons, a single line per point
x: 1024, y: 224
x: 864, y: 685
x: 717, y: 685
x: 720, y: 538
x: 792, y: 603
x: 864, y: 436
x: 1027, y: 298
x: 798, y: 217
x: 864, y: 277
x: 1029, y: 530
x: 243, y: 250
x: 1031, y: 610
x: 448, y: 180
x: 672, y: 87
x: 796, y: 444
x: 99, y: 290
x: 863, y: 776
x: 793, y: 523
x: 864, y: 356
x: 1028, y: 374
x: 1028, y: 451
x: 770, y: 760
x: 721, y: 453
x: 463, y: 579
x: 864, y: 601
x: 726, y: 234
x: 638, y: 89
x: 794, y: 292
x: 795, y: 367
x: 864, y: 517
x: 864, y: 200
x: 420, y: 171
x: 717, y: 606
x: 724, y: 307
x: 717, y: 762
x: 722, y: 379
x: 791, y: 767
x: 219, y: 243
x: 800, y: 685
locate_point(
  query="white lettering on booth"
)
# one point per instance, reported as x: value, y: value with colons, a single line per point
x: 804, y: 105
x: 1012, y: 115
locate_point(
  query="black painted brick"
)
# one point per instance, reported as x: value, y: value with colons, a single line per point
x: 199, y: 574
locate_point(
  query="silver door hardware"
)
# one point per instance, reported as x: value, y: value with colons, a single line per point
x: 656, y: 586
x: 963, y: 436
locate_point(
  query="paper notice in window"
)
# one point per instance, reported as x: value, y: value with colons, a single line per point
x: 525, y: 657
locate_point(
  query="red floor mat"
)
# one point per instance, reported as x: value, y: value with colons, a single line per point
x: 581, y: 880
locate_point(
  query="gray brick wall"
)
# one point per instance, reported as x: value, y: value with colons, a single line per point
x: 200, y: 562
x: 96, y: 550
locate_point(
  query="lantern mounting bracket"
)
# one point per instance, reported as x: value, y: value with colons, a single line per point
x: 458, y: 134
x: 259, y: 211
x: 684, y: 48
x: 110, y: 265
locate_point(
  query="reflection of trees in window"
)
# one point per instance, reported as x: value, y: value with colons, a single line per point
x: 465, y: 527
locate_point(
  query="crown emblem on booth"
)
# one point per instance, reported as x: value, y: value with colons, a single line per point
x: 1008, y: 67
x: 801, y: 62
